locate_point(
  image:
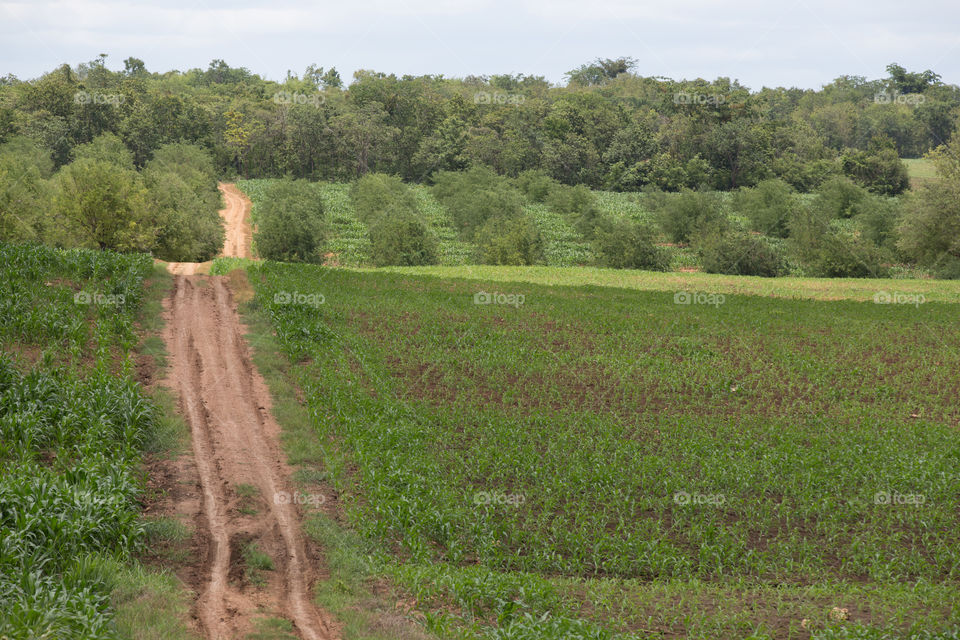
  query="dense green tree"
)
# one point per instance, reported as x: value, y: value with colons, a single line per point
x: 739, y: 151
x: 103, y: 205
x: 623, y: 244
x: 25, y: 191
x: 599, y: 71
x: 509, y: 241
x: 769, y: 206
x: 911, y: 82
x: 402, y: 239
x: 930, y: 227
x: 879, y: 168
x: 290, y: 223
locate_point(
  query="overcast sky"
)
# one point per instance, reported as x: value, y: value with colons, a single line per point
x: 805, y: 43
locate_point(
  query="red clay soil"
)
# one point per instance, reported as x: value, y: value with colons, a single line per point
x: 235, y: 439
x: 237, y: 218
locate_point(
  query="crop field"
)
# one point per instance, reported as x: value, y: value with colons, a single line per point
x: 72, y: 426
x: 563, y: 246
x: 623, y: 206
x: 859, y: 289
x: 348, y: 243
x: 920, y: 168
x: 453, y: 251
x: 662, y: 463
x: 348, y: 238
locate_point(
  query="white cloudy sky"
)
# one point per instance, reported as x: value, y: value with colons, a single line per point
x: 803, y: 43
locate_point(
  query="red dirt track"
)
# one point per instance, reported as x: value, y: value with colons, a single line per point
x: 235, y: 438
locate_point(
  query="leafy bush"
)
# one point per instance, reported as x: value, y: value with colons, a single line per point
x: 571, y: 200
x: 877, y: 218
x: 106, y: 147
x: 536, y: 185
x: 398, y: 234
x: 622, y: 244
x: 804, y: 175
x: 579, y: 205
x: 377, y: 194
x: 838, y: 197
x: 684, y: 214
x: 878, y: 168
x: 843, y: 255
x: 402, y: 240
x: 509, y: 241
x: 290, y: 222
x: 741, y: 254
x: 473, y: 197
x: 826, y: 251
x: 930, y: 228
x: 187, y: 230
x: 183, y: 201
x: 768, y: 206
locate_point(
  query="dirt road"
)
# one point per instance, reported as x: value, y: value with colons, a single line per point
x: 237, y: 218
x: 244, y: 482
x: 182, y: 268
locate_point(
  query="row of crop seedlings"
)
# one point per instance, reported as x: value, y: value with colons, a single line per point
x: 452, y: 250
x: 349, y: 239
x: 72, y: 425
x: 562, y: 245
x: 623, y: 206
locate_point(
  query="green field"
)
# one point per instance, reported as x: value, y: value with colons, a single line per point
x: 858, y: 289
x: 74, y: 424
x: 920, y: 169
x: 350, y: 244
x: 770, y: 460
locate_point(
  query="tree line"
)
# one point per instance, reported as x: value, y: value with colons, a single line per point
x: 607, y: 127
x: 840, y: 230
x: 129, y: 160
x: 100, y: 200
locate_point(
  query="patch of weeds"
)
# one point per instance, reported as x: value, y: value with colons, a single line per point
x: 273, y: 629
x: 256, y: 562
x: 248, y: 495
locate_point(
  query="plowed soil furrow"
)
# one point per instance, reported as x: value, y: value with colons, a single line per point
x: 235, y: 442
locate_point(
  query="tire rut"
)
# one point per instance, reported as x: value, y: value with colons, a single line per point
x: 235, y: 441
